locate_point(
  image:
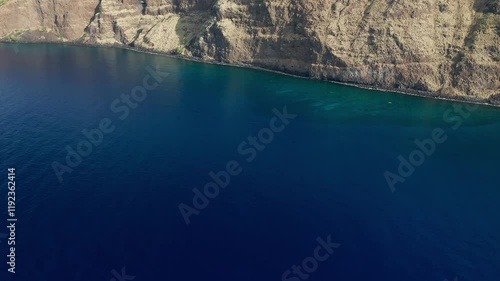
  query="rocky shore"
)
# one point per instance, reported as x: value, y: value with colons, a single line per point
x: 435, y: 48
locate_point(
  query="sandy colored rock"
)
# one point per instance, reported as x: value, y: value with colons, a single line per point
x: 444, y: 47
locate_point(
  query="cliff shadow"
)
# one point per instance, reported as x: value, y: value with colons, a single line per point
x: 194, y: 18
x: 487, y: 6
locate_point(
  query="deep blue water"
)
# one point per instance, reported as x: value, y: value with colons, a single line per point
x: 322, y: 175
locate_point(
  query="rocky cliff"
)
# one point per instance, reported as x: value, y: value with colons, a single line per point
x: 440, y: 47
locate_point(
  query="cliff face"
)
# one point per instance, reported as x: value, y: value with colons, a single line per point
x: 449, y: 47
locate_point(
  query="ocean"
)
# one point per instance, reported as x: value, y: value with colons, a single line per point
x: 132, y: 166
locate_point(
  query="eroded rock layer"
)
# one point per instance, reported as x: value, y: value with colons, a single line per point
x: 445, y: 47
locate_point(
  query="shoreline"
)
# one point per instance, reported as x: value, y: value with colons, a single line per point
x: 409, y: 92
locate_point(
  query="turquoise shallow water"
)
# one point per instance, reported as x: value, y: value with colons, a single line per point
x: 321, y: 175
